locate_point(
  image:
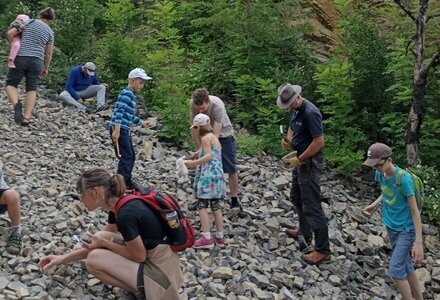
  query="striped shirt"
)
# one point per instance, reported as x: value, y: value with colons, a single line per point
x: 36, y: 35
x: 125, y: 108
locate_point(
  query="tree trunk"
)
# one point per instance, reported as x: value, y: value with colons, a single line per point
x: 414, y: 122
x: 417, y: 111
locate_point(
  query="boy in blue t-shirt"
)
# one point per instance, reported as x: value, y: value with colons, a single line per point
x: 122, y: 120
x: 401, y: 217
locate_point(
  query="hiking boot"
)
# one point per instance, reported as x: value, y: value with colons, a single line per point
x: 101, y: 108
x: 87, y: 109
x: 13, y: 245
x: 315, y: 257
x: 203, y: 243
x: 241, y: 213
x: 219, y: 241
x: 293, y: 233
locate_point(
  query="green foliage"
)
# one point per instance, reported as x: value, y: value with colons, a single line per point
x: 174, y: 114
x: 10, y: 9
x: 74, y: 36
x: 242, y: 51
x: 249, y: 144
x: 431, y: 200
x: 345, y: 141
x: 339, y: 154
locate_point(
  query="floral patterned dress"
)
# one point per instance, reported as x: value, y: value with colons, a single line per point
x: 209, y: 182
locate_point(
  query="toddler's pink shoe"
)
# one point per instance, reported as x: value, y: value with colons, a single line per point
x: 219, y: 241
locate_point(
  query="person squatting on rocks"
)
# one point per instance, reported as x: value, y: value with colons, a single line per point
x: 209, y: 183
x: 82, y: 83
x: 202, y: 102
x: 401, y: 217
x: 10, y: 202
x: 19, y: 23
x: 122, y: 119
x: 33, y: 59
x: 305, y: 135
x: 133, y: 259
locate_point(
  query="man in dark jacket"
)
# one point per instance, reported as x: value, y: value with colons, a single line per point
x: 82, y: 84
x: 306, y: 137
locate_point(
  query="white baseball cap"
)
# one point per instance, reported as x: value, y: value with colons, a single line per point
x: 90, y: 68
x: 200, y: 120
x: 139, y: 73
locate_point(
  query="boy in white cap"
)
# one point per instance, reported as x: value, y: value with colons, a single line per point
x: 401, y: 218
x: 123, y: 117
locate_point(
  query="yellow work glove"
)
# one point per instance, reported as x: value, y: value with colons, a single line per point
x: 286, y: 144
x: 293, y: 162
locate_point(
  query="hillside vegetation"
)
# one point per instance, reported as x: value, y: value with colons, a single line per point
x: 242, y: 51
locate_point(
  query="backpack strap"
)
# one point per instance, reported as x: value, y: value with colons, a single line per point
x: 124, y: 200
x: 398, y: 182
x: 399, y: 176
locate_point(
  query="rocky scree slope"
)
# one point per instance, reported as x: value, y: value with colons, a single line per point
x: 44, y: 160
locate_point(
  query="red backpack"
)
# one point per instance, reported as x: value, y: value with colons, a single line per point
x: 175, y: 222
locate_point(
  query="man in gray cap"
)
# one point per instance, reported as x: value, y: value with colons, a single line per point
x: 82, y: 84
x: 305, y: 136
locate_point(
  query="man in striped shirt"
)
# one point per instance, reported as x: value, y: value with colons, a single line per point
x: 123, y: 117
x: 32, y: 60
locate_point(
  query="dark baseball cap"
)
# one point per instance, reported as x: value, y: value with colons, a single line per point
x: 376, y: 153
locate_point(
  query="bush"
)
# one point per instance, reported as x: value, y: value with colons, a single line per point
x: 251, y: 145
x: 431, y: 199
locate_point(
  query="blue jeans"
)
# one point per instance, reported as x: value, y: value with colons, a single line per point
x: 401, y: 265
x: 229, y: 160
x: 128, y: 156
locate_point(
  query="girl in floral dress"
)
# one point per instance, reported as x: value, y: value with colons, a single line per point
x: 209, y: 183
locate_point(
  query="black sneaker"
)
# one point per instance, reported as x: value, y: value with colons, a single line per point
x: 192, y: 206
x: 18, y: 113
x: 101, y: 108
x: 241, y: 213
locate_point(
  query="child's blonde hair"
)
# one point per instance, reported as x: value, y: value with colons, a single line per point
x: 204, y: 129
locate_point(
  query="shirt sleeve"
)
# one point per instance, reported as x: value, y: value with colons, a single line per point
x: 218, y: 113
x: 70, y: 84
x: 127, y: 225
x: 51, y: 38
x: 17, y: 24
x: 95, y: 80
x: 111, y: 218
x: 314, y: 122
x: 137, y: 121
x: 407, y: 185
x: 120, y: 107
